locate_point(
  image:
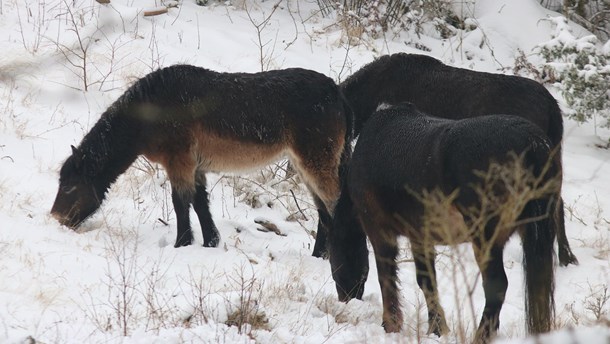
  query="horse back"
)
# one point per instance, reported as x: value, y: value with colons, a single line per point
x: 462, y: 93
x: 454, y: 93
x: 472, y: 144
x: 395, y: 158
x: 232, y: 121
x: 402, y: 153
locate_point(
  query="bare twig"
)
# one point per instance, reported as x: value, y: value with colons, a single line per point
x: 259, y: 30
x: 268, y: 226
x: 297, y: 203
x: 155, y: 12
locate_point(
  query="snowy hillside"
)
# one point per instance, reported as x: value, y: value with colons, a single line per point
x: 120, y: 280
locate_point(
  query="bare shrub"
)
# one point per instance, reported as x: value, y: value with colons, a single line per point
x: 82, y: 23
x: 273, y: 186
x: 247, y: 314
x: 198, y: 292
x: 518, y: 186
x: 134, y: 294
x: 360, y: 18
x: 597, y: 302
x: 265, y: 52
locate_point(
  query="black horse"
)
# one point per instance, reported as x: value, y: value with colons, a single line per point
x: 455, y: 93
x: 403, y: 155
x: 192, y: 120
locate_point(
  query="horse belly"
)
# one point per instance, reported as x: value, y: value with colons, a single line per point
x: 217, y: 154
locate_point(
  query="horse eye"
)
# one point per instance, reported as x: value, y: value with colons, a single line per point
x: 68, y: 190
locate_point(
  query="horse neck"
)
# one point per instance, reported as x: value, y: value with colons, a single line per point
x: 368, y: 89
x: 364, y: 98
x: 110, y: 147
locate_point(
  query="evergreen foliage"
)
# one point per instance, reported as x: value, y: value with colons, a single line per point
x: 582, y: 69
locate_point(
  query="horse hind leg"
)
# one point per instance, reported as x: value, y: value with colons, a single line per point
x: 426, y: 280
x: 495, y: 284
x: 319, y: 167
x: 201, y: 204
x: 565, y: 254
x: 320, y: 248
x: 321, y: 175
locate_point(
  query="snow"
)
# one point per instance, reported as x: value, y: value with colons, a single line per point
x: 62, y: 286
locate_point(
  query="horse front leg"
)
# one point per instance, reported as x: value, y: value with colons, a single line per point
x: 425, y: 272
x: 211, y: 236
x: 495, y: 284
x: 182, y: 200
x: 386, y: 250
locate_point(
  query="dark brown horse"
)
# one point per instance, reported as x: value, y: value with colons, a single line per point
x: 192, y: 121
x: 402, y: 155
x: 449, y: 92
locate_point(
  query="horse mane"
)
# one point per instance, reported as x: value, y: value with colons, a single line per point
x: 365, y: 97
x: 415, y: 60
x: 354, y: 91
x: 108, y: 149
x: 146, y: 89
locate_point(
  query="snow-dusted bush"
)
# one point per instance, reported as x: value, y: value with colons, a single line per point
x: 582, y: 70
x: 363, y: 18
x: 594, y: 15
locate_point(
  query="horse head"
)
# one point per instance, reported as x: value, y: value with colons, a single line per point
x: 77, y: 197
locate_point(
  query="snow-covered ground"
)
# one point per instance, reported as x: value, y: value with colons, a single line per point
x: 119, y: 279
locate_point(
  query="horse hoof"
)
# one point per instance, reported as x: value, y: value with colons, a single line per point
x: 391, y: 327
x: 320, y: 254
x: 567, y: 258
x: 437, y: 325
x: 437, y: 329
x: 182, y: 243
x: 212, y: 243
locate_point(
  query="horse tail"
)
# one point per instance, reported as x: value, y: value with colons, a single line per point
x: 350, y: 135
x: 538, y: 240
x: 555, y: 135
x: 555, y: 130
x: 538, y: 266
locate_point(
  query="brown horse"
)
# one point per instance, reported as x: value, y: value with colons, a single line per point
x: 192, y: 121
x: 456, y: 93
x: 402, y: 155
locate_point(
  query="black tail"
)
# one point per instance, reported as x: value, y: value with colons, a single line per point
x: 350, y: 135
x: 539, y: 238
x: 538, y: 264
x: 555, y: 130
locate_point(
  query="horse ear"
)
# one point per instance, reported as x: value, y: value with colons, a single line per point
x: 78, y: 156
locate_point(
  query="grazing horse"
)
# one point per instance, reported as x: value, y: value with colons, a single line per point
x: 456, y: 93
x: 403, y: 154
x: 192, y: 121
